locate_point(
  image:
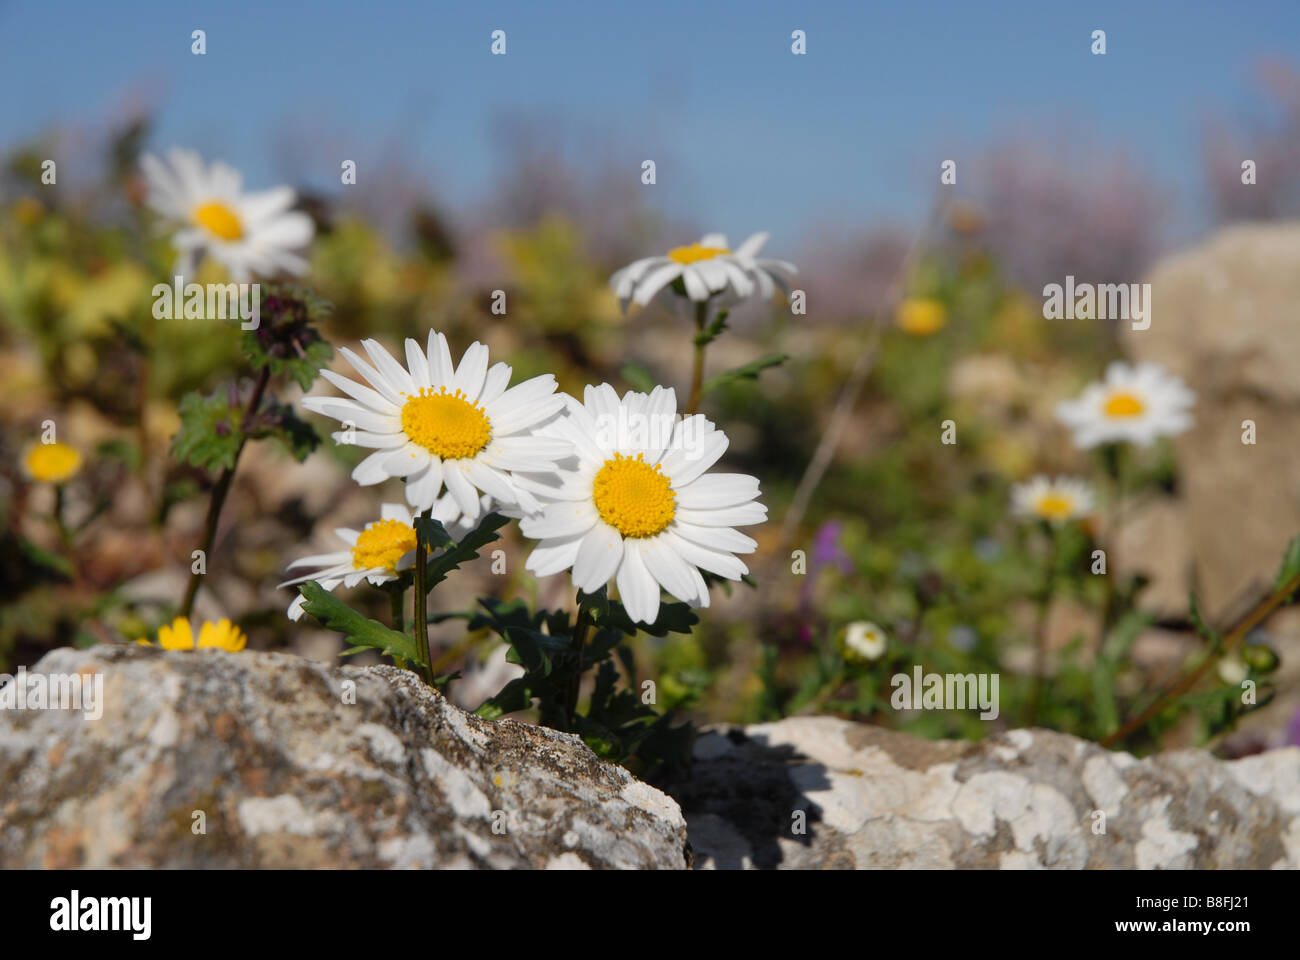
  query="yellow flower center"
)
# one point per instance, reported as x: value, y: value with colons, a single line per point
x: 52, y: 462
x: 695, y: 253
x: 219, y: 220
x: 382, y: 544
x: 633, y: 497
x: 446, y: 424
x: 921, y: 318
x: 1054, y: 506
x: 1124, y: 404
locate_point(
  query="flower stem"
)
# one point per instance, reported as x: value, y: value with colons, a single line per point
x: 697, y: 371
x: 1262, y: 610
x: 1040, y: 631
x: 422, y: 601
x: 222, y: 488
x: 397, y: 604
x: 579, y: 641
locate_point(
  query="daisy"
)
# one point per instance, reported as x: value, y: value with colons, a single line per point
x: 635, y: 505
x: 864, y: 640
x: 440, y: 424
x: 51, y: 462
x: 1134, y: 404
x: 377, y: 553
x: 250, y: 233
x: 223, y: 635
x: 1056, y: 501
x: 706, y: 268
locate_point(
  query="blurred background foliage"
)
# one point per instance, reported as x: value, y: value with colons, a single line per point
x: 904, y: 530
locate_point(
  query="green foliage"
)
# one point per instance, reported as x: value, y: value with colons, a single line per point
x: 211, y: 432
x: 617, y: 725
x: 748, y: 371
x: 287, y: 339
x: 279, y: 421
x: 362, y: 632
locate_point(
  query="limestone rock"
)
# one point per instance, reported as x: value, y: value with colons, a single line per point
x: 288, y: 773
x: 874, y: 798
x: 1226, y: 318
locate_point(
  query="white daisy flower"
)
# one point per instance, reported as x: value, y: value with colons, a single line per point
x: 250, y: 233
x: 377, y: 553
x: 635, y: 505
x: 1057, y: 501
x: 441, y: 424
x: 1133, y: 405
x: 706, y: 268
x: 863, y: 640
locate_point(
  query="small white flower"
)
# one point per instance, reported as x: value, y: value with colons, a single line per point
x: 1132, y: 405
x: 706, y: 268
x: 438, y: 423
x: 1057, y: 501
x: 636, y: 506
x: 250, y: 233
x: 1232, y: 670
x: 377, y: 553
x: 863, y: 640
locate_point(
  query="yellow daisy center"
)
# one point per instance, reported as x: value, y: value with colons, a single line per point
x: 1121, y: 403
x: 1054, y: 506
x: 382, y: 544
x: 446, y: 424
x: 219, y: 220
x: 52, y: 462
x: 633, y: 497
x: 695, y: 253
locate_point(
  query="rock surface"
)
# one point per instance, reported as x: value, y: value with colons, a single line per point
x: 1226, y: 318
x: 288, y: 773
x: 873, y: 798
x: 289, y: 769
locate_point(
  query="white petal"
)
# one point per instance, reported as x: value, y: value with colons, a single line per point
x: 598, y: 558
x: 715, y: 490
x: 563, y: 519
x: 636, y: 587
x: 553, y: 555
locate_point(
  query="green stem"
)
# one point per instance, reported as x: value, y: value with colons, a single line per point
x: 60, y: 525
x: 697, y: 372
x: 397, y: 603
x: 1040, y: 631
x: 222, y: 488
x: 422, y: 602
x: 579, y: 641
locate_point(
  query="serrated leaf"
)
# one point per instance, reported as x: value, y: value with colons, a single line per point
x: 210, y: 434
x: 361, y: 631
x: 711, y: 332
x: 748, y: 371
x: 432, y: 532
x: 466, y: 550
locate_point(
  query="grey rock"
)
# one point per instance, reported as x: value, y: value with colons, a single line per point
x: 287, y: 773
x: 874, y: 798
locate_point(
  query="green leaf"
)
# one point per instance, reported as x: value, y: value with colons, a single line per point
x: 749, y: 371
x: 361, y: 631
x: 673, y: 618
x: 432, y: 532
x: 210, y: 433
x: 711, y: 332
x: 1290, y: 564
x: 280, y: 422
x: 466, y: 550
x: 638, y: 376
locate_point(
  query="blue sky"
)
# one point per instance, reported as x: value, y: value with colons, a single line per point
x: 745, y: 134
